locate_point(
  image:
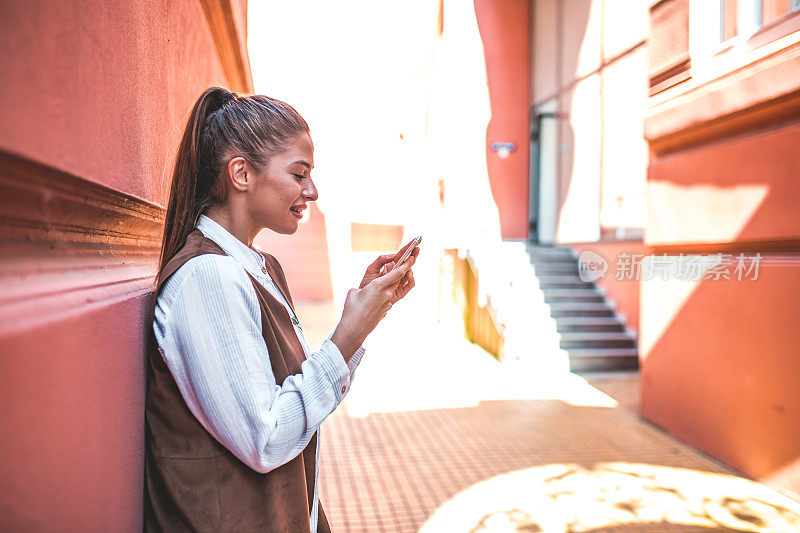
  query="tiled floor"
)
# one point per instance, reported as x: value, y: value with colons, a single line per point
x: 441, y: 438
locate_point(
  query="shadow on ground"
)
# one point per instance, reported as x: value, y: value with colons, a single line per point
x: 519, y: 465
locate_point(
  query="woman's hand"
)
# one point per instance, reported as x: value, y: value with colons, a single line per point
x: 384, y: 263
x: 365, y: 307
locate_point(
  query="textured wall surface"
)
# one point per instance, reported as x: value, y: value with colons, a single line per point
x: 93, y: 101
x: 719, y: 356
x: 504, y: 28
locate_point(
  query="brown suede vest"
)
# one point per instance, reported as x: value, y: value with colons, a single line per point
x: 192, y: 482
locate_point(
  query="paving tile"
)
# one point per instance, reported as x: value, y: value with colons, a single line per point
x: 500, y: 450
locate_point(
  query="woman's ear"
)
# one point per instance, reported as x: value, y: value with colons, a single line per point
x: 238, y: 174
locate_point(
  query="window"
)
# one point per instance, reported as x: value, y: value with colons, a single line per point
x: 727, y: 23
x: 768, y: 11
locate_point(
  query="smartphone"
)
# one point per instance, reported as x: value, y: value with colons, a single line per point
x: 408, y: 251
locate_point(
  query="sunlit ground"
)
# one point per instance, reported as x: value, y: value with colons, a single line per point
x: 436, y: 436
x: 456, y: 373
x: 611, y: 496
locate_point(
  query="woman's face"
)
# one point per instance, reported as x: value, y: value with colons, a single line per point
x: 284, y: 187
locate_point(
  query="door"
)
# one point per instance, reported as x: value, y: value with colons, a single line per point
x: 543, y: 176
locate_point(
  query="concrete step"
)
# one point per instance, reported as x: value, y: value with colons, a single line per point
x: 589, y: 323
x: 597, y: 339
x: 552, y: 295
x: 593, y: 336
x: 553, y: 258
x: 558, y: 310
x: 549, y: 252
x: 555, y: 280
x: 561, y: 268
x: 593, y: 359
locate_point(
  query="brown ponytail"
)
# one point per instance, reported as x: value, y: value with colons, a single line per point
x: 222, y: 124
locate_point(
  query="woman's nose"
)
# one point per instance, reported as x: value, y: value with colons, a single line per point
x: 310, y: 192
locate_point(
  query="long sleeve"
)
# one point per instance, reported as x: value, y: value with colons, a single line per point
x: 208, y: 328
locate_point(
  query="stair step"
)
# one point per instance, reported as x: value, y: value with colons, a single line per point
x: 552, y: 295
x: 592, y: 335
x: 594, y: 339
x: 577, y: 291
x: 546, y: 252
x: 591, y: 359
x: 559, y: 281
x: 561, y: 268
x: 581, y: 309
x: 546, y: 259
x: 589, y: 323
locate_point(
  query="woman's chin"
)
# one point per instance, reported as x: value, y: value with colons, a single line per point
x: 289, y: 227
x: 289, y: 230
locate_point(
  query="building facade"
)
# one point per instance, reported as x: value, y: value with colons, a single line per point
x: 589, y: 155
x: 670, y: 129
x: 719, y: 354
x: 92, y: 105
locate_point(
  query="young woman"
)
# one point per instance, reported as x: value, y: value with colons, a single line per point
x: 235, y: 397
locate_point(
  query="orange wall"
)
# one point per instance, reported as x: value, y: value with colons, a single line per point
x: 738, y: 190
x: 93, y: 93
x: 504, y: 29
x: 71, y: 402
x: 719, y: 360
x: 304, y: 257
x: 721, y: 371
x: 101, y: 89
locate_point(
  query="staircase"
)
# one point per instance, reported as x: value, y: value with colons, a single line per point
x: 592, y: 334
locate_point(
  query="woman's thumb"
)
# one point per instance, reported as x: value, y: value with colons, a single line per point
x: 393, y: 276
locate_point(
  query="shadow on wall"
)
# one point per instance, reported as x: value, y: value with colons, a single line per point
x: 577, y: 133
x: 719, y: 357
x: 569, y: 163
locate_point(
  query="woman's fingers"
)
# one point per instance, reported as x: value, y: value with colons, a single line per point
x: 409, y: 284
x: 402, y: 250
x: 386, y: 268
x: 381, y: 260
x: 380, y: 266
x: 392, y: 277
x: 404, y: 286
x: 395, y: 283
x: 408, y: 263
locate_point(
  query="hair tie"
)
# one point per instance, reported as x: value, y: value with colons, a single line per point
x: 226, y: 97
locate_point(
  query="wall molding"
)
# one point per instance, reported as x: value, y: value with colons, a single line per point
x: 68, y: 244
x: 763, y: 94
x: 232, y: 55
x: 788, y: 249
x: 671, y: 76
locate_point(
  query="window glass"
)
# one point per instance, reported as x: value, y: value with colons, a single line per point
x: 770, y: 10
x: 728, y: 19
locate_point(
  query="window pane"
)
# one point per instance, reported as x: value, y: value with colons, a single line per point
x: 774, y: 9
x: 728, y: 26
